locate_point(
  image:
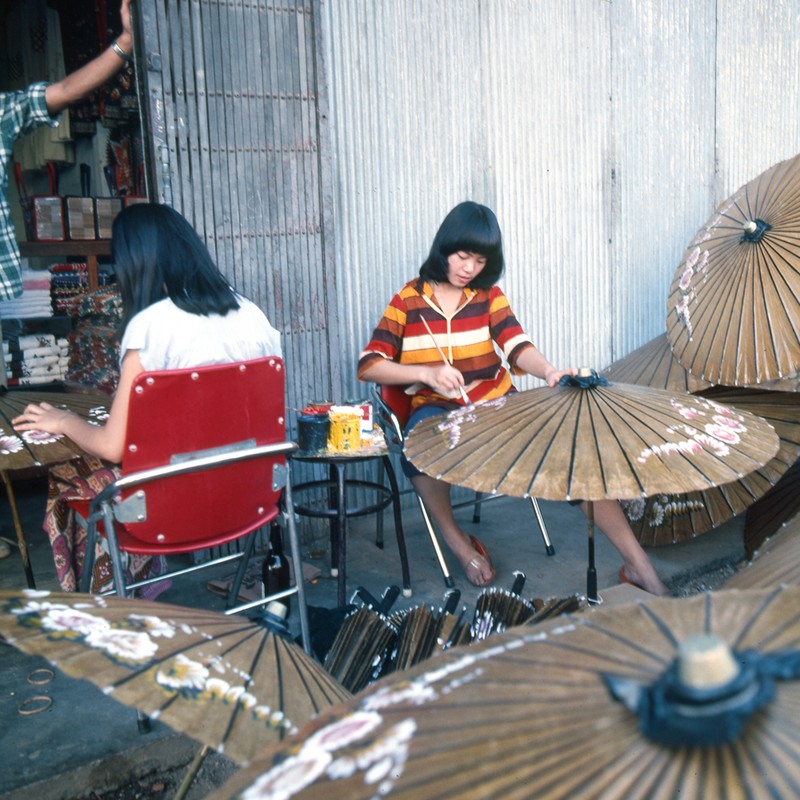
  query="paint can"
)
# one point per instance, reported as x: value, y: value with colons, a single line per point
x: 312, y: 433
x: 344, y: 433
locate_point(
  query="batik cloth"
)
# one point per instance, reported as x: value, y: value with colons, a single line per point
x: 82, y: 479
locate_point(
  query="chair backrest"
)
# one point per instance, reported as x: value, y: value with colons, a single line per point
x: 398, y: 401
x: 177, y: 414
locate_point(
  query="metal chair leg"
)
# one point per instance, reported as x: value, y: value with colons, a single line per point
x: 241, y: 570
x: 548, y: 545
x: 448, y: 578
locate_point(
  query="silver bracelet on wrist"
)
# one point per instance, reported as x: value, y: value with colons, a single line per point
x: 120, y: 52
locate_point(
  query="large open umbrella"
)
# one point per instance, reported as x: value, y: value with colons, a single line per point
x: 591, y: 440
x: 669, y: 518
x: 530, y: 713
x: 776, y: 562
x: 733, y: 312
x: 654, y: 365
x: 228, y: 682
x: 36, y: 448
x: 770, y: 512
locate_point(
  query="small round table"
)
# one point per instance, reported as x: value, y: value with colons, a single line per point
x: 338, y: 512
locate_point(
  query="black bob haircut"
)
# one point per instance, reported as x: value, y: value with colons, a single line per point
x: 158, y: 254
x: 471, y: 228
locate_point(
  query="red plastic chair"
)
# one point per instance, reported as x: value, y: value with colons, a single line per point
x: 204, y: 465
x: 394, y: 409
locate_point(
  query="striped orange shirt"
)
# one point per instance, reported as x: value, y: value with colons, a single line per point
x: 468, y: 339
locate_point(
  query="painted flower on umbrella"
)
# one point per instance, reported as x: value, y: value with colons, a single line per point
x: 695, y: 263
x: 723, y: 433
x: 61, y: 621
x: 686, y: 446
x: 289, y: 777
x: 192, y: 679
x: 340, y: 749
x: 98, y: 413
x: 41, y: 437
x: 123, y: 646
x: 732, y: 423
x: 450, y: 427
x: 9, y: 444
x: 274, y: 719
x: 183, y: 675
x: 666, y: 507
x: 155, y: 626
x: 414, y: 692
x: 634, y: 509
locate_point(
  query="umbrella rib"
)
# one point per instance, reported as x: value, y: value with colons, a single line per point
x: 757, y: 612
x: 779, y: 767
x: 270, y: 637
x: 304, y: 675
x: 558, y: 414
x: 573, y: 455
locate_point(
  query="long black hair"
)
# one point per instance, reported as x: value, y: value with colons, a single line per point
x: 471, y: 228
x: 158, y: 254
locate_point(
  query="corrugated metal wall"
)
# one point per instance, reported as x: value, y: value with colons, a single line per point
x: 234, y: 104
x: 318, y: 144
x: 603, y: 134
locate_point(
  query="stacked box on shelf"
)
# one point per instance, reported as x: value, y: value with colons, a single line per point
x: 94, y: 342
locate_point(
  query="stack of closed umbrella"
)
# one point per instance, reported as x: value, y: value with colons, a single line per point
x: 373, y: 643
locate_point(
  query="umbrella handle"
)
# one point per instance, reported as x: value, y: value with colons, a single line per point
x: 519, y: 582
x: 591, y: 571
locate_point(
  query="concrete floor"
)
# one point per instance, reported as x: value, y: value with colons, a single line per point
x: 85, y: 740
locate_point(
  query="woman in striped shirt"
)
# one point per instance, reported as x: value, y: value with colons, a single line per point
x: 438, y: 336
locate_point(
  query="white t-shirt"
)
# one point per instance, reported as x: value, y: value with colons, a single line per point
x: 170, y: 338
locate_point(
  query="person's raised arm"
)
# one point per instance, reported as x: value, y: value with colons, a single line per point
x: 534, y: 363
x: 94, y: 74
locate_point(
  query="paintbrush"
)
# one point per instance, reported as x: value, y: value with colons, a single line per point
x: 464, y: 395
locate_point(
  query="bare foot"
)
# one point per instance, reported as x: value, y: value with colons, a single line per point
x: 647, y: 580
x: 479, y: 571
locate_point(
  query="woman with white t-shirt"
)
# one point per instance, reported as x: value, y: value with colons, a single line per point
x: 178, y: 312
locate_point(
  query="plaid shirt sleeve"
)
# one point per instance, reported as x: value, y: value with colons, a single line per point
x: 20, y: 113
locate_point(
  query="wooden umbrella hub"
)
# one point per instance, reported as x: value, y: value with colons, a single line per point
x: 754, y: 230
x: 708, y: 693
